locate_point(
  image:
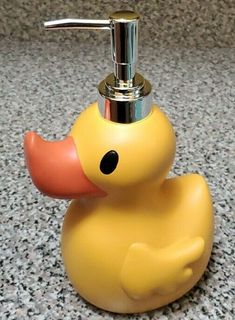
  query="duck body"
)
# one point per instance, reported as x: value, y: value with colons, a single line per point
x: 125, y: 257
x: 137, y: 241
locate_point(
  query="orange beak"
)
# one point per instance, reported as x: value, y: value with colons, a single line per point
x: 55, y: 168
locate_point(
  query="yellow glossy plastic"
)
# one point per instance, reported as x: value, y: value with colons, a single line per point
x: 149, y: 240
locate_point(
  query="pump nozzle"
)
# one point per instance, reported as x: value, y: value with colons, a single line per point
x: 125, y: 93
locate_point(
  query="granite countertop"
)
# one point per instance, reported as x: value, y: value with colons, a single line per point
x: 44, y: 86
x: 186, y: 23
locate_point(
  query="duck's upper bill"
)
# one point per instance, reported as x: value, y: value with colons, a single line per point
x: 55, y: 168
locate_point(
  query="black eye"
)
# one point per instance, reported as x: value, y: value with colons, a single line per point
x: 109, y: 162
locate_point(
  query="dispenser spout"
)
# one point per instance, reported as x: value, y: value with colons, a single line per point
x: 122, y: 25
x: 124, y: 96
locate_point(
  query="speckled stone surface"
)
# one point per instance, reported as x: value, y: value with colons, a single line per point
x: 44, y: 86
x: 206, y: 23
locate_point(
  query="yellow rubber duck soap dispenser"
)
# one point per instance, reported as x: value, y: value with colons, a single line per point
x: 132, y: 240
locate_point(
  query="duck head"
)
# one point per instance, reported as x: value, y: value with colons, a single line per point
x: 99, y: 155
